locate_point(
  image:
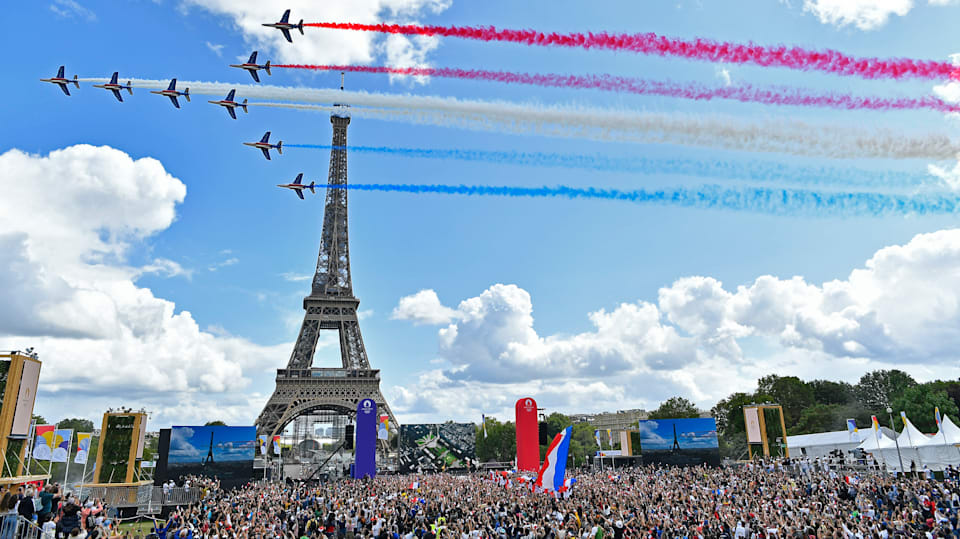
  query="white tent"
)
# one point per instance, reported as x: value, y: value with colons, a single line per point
x: 822, y: 443
x: 910, y: 441
x: 943, y: 448
x: 881, y: 448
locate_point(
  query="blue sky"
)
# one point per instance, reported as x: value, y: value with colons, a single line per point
x: 184, y: 301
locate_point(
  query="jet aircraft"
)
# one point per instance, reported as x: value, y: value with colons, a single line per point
x: 172, y: 93
x: 285, y: 26
x: 298, y: 187
x: 115, y: 87
x: 230, y: 104
x: 265, y: 145
x: 63, y: 81
x: 252, y: 67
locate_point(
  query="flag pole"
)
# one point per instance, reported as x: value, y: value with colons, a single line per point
x: 66, y: 472
x: 83, y: 474
x: 30, y: 442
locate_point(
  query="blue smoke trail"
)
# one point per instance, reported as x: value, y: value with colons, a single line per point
x: 766, y: 171
x: 759, y: 200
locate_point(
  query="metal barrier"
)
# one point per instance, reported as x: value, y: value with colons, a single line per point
x: 17, y: 527
x: 148, y: 499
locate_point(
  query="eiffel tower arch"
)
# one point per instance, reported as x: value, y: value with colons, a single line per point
x: 301, y: 388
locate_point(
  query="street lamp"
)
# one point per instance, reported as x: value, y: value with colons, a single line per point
x: 896, y: 438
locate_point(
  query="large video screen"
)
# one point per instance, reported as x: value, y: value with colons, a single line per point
x: 436, y: 447
x: 222, y: 452
x: 680, y: 442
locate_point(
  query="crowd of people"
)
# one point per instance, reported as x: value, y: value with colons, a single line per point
x: 749, y: 501
x: 753, y: 501
x: 57, y: 515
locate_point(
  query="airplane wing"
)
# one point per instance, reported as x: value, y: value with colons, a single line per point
x: 64, y: 88
x: 173, y: 99
x: 286, y: 34
x: 286, y: 16
x: 173, y: 84
x: 232, y: 114
x: 253, y: 73
x: 299, y: 193
x: 230, y: 95
x: 119, y: 97
x: 266, y: 137
x: 265, y: 153
x: 60, y: 73
x: 113, y: 79
x: 253, y: 58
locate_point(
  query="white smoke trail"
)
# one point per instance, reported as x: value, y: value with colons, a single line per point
x: 780, y: 135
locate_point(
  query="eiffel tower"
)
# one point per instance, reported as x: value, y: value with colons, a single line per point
x: 302, y: 388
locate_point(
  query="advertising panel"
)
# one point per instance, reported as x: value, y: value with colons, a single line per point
x: 26, y: 396
x: 436, y: 447
x: 680, y: 442
x: 751, y: 417
x: 528, y: 435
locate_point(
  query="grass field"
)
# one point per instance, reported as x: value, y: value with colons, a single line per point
x: 134, y: 528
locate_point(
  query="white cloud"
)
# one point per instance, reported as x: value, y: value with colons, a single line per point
x: 224, y: 263
x: 71, y: 8
x: 901, y: 308
x: 329, y: 46
x: 424, y: 307
x: 864, y: 14
x: 166, y: 268
x: 296, y: 277
x: 68, y: 292
x: 724, y: 75
x: 215, y: 48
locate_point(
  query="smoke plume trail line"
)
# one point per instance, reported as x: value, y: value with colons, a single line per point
x: 758, y: 200
x: 754, y: 170
x: 776, y: 95
x: 826, y: 60
x: 794, y: 138
x: 784, y: 136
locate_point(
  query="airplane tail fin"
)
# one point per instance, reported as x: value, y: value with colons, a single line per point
x: 280, y: 147
x: 244, y: 106
x: 130, y: 87
x: 266, y: 67
x: 300, y: 27
x: 186, y: 93
x: 76, y: 82
x: 311, y: 186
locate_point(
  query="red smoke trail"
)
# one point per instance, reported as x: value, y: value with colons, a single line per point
x: 746, y: 94
x: 799, y: 58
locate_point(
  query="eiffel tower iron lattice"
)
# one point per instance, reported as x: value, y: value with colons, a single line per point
x: 302, y: 388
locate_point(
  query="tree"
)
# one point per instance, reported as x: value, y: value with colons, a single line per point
x: 819, y: 418
x: 878, y: 389
x: 919, y: 403
x: 216, y: 423
x: 500, y: 444
x: 830, y: 392
x: 675, y: 408
x: 38, y: 419
x: 792, y: 393
x: 77, y: 424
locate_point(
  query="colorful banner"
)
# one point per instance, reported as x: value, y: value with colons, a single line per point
x: 43, y: 448
x: 551, y: 475
x: 610, y: 437
x: 528, y: 435
x: 936, y: 416
x: 62, y: 443
x: 365, y: 450
x: 263, y: 443
x: 596, y: 436
x: 876, y: 426
x: 276, y: 445
x: 852, y: 430
x: 483, y: 419
x: 383, y: 428
x: 83, y: 447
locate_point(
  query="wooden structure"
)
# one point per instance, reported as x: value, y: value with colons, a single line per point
x: 138, y: 430
x: 759, y: 409
x: 22, y: 372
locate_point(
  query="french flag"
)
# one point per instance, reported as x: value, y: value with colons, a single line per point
x: 555, y: 463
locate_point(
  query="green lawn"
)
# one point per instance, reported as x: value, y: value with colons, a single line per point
x: 132, y: 527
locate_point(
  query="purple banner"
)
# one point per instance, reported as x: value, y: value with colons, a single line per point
x: 365, y: 451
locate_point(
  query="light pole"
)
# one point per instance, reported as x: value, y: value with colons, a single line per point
x: 895, y: 439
